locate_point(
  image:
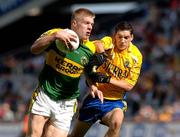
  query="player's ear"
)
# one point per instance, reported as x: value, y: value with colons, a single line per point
x: 132, y: 37
x: 73, y: 22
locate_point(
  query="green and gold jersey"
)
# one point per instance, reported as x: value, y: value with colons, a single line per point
x: 61, y: 73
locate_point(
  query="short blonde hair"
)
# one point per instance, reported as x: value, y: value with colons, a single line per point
x: 82, y: 11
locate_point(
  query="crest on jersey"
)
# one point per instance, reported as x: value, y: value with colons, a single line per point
x: 84, y: 60
x: 126, y: 63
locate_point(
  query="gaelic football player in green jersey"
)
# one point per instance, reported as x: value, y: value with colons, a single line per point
x: 54, y: 100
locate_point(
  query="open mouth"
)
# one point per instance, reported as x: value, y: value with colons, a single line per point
x: 88, y: 33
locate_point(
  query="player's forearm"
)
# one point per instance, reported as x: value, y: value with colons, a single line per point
x: 42, y: 43
x: 121, y: 84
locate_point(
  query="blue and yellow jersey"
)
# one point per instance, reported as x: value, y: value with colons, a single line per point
x: 60, y: 75
x: 124, y: 65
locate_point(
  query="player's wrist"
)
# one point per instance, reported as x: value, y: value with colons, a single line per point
x: 108, y: 79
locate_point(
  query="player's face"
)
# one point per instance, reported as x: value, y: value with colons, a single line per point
x: 83, y: 26
x: 122, y: 39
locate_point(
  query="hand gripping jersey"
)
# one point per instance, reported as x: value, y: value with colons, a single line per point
x: 124, y: 65
x: 60, y: 75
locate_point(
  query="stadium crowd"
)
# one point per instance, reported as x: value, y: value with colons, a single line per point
x: 156, y: 97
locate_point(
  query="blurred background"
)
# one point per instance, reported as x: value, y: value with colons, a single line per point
x: 154, y: 103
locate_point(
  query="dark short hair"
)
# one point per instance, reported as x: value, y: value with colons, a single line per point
x: 124, y: 26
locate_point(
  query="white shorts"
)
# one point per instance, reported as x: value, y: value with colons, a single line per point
x: 59, y: 112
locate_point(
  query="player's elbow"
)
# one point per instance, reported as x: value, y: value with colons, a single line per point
x: 34, y: 50
x: 129, y: 87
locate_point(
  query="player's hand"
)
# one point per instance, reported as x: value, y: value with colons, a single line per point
x: 97, y: 60
x: 95, y: 92
x: 99, y: 77
x: 65, y: 36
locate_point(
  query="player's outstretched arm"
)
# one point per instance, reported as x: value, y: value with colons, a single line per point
x: 47, y: 38
x: 102, y: 78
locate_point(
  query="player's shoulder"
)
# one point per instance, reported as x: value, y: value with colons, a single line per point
x: 89, y: 44
x: 107, y: 41
x: 107, y: 38
x: 135, y: 50
x: 51, y: 31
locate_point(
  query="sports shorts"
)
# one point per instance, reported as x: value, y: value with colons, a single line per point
x: 59, y: 112
x: 92, y: 109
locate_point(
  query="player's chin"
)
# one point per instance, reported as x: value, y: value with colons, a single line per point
x: 85, y: 37
x: 122, y: 47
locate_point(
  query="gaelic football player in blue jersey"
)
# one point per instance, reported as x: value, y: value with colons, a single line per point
x: 113, y: 78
